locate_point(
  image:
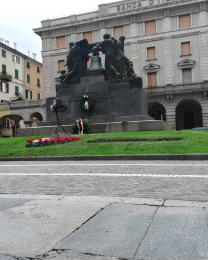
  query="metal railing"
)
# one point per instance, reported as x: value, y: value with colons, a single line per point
x: 178, y: 88
x: 27, y: 104
x: 5, y: 76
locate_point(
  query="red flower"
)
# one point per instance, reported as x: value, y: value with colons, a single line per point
x: 50, y: 141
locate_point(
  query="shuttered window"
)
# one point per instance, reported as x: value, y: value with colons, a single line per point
x: 151, y: 55
x: 88, y: 36
x: 118, y: 31
x: 185, y: 48
x: 185, y: 21
x: 16, y: 74
x: 61, y: 65
x: 60, y: 42
x: 150, y: 27
x: 187, y: 76
x: 152, y: 79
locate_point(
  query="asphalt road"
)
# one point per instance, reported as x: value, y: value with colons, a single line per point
x: 177, y: 180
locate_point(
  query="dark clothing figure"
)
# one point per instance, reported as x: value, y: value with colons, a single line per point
x: 108, y: 48
x: 69, y: 61
x: 121, y: 61
x: 77, y: 61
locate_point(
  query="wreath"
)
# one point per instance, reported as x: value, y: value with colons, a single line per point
x: 87, y: 103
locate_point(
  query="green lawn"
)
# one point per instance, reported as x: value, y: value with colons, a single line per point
x: 193, y: 142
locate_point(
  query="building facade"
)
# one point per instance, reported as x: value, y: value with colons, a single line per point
x: 167, y: 40
x: 21, y: 89
x: 12, y: 73
x: 34, y: 89
x: 20, y: 75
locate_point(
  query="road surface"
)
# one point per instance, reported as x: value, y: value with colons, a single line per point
x: 178, y: 180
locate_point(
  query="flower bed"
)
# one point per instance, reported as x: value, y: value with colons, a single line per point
x: 50, y: 141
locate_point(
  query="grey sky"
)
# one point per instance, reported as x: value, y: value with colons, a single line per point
x: 20, y: 17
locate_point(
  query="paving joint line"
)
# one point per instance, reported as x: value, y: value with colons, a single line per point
x: 145, y: 234
x: 206, y: 213
x: 94, y: 215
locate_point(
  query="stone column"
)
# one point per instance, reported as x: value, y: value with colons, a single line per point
x: 168, y: 61
x: 48, y: 77
x: 204, y: 55
x: 135, y: 56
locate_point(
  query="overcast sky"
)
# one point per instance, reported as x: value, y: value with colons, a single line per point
x: 18, y: 18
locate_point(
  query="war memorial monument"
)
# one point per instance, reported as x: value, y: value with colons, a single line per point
x: 110, y: 98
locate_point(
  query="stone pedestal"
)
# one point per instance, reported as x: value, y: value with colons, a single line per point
x: 113, y: 101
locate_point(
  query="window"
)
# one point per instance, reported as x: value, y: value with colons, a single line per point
x: 17, y: 90
x: 28, y: 78
x: 38, y: 96
x: 185, y: 21
x: 88, y: 36
x: 118, y: 31
x: 4, y: 68
x: 185, y: 48
x: 3, y: 53
x: 1, y: 86
x: 28, y: 94
x: 38, y: 69
x: 150, y: 27
x: 38, y: 82
x: 61, y: 65
x: 151, y: 55
x: 4, y: 87
x: 187, y: 76
x: 7, y: 87
x: 16, y: 59
x: 16, y: 74
x: 152, y: 79
x: 60, y: 42
x: 28, y: 64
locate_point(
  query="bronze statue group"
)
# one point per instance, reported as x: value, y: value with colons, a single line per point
x: 117, y: 65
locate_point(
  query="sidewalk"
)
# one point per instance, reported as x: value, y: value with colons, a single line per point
x: 101, y: 228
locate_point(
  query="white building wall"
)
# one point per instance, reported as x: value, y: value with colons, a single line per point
x: 11, y: 65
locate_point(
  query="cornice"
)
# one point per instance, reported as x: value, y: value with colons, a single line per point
x: 98, y: 16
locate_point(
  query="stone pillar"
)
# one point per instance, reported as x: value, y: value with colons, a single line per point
x: 170, y: 115
x: 168, y: 61
x: 167, y: 24
x: 204, y: 55
x: 135, y: 57
x: 48, y: 77
x: 133, y: 29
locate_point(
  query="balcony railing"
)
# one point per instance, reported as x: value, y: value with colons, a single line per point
x: 5, y: 76
x: 19, y: 104
x: 192, y: 87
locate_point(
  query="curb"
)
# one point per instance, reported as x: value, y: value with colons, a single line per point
x: 110, y: 200
x: 168, y: 157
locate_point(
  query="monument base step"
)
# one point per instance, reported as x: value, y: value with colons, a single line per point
x: 109, y: 127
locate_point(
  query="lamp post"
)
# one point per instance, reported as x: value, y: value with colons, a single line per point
x: 58, y: 107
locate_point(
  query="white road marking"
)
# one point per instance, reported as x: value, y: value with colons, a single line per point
x: 106, y: 164
x: 105, y: 175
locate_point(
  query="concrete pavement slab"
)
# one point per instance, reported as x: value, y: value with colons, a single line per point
x: 6, y: 203
x: 34, y: 228
x: 110, y: 200
x: 114, y: 232
x: 176, y: 233
x: 75, y: 255
x: 4, y: 257
x: 30, y: 197
x: 183, y: 203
